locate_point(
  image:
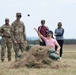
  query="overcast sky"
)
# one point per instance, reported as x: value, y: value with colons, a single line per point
x: 52, y: 11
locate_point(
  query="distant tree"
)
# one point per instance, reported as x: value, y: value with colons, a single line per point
x: 33, y: 42
x: 66, y: 41
x: 70, y: 41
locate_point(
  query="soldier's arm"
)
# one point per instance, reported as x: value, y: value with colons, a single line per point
x: 12, y: 32
x: 1, y: 31
x: 24, y: 33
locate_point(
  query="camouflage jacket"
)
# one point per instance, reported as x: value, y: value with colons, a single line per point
x: 18, y: 31
x: 5, y: 32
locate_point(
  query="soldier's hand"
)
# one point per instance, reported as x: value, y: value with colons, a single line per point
x: 6, y: 35
x: 15, y: 42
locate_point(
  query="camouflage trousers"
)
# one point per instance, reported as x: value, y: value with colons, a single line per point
x: 17, y: 48
x: 7, y: 45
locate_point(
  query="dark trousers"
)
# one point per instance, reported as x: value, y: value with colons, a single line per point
x: 42, y: 43
x: 61, y: 45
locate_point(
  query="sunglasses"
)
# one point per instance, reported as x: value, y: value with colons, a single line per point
x: 19, y: 16
x: 6, y: 20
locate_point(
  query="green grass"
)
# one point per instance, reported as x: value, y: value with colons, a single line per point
x: 69, y: 57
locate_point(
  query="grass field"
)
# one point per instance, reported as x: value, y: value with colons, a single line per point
x: 69, y: 57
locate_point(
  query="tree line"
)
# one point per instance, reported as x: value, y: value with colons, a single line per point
x: 66, y: 41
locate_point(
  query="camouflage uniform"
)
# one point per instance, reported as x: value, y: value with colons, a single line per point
x: 19, y: 35
x: 5, y: 32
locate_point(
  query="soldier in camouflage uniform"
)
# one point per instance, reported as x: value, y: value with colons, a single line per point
x: 5, y: 32
x: 19, y: 35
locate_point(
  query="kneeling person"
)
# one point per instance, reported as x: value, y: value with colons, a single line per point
x: 49, y: 40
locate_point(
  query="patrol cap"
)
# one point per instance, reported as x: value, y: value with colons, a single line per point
x: 6, y: 19
x: 49, y: 32
x: 18, y: 14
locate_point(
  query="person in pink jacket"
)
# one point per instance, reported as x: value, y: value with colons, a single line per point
x: 49, y: 40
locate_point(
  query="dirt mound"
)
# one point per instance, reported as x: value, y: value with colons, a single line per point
x: 37, y: 57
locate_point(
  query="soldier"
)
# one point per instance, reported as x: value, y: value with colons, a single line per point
x: 5, y: 32
x: 19, y: 35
